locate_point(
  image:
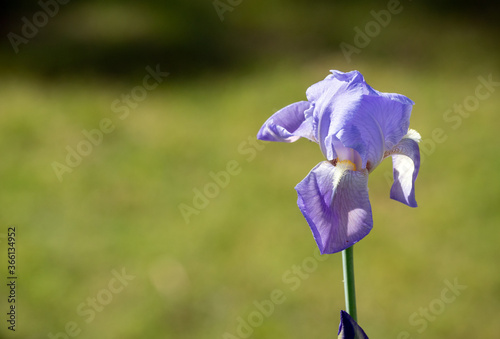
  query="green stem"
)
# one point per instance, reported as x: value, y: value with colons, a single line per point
x: 350, y: 291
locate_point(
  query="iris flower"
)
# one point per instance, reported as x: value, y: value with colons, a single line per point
x: 349, y: 329
x: 356, y: 128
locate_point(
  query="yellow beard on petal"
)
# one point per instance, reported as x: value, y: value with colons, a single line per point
x: 342, y: 169
x: 346, y: 165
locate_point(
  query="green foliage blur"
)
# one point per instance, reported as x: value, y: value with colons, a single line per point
x: 106, y: 168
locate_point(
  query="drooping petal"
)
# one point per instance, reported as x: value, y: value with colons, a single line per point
x: 406, y: 164
x: 288, y: 124
x: 349, y: 329
x: 334, y: 201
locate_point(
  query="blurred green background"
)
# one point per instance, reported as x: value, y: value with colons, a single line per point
x: 118, y: 210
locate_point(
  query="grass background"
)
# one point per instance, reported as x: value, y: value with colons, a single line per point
x: 120, y: 207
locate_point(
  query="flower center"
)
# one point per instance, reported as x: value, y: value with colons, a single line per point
x: 344, y: 164
x: 347, y: 157
x: 347, y: 164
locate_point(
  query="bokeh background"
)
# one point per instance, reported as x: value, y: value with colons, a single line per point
x: 202, y: 276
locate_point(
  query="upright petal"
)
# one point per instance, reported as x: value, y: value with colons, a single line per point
x: 392, y: 112
x: 368, y: 121
x: 288, y: 124
x: 371, y: 124
x: 333, y: 83
x: 330, y: 98
x: 349, y: 329
x: 334, y: 201
x: 406, y: 164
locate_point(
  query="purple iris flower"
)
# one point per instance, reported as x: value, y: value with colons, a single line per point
x: 349, y: 329
x: 356, y: 127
